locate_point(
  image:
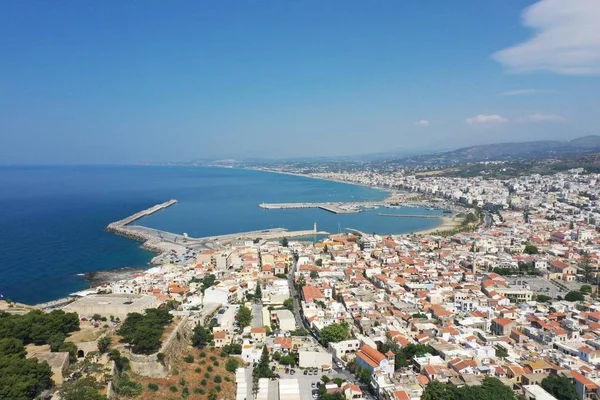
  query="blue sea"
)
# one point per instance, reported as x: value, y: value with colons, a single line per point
x: 52, y: 219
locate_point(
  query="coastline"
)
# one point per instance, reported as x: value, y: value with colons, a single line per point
x: 161, y: 249
x: 445, y: 224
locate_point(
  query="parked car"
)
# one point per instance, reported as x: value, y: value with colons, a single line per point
x: 305, y: 372
x: 292, y: 371
x: 273, y: 368
x: 287, y: 370
x: 313, y: 385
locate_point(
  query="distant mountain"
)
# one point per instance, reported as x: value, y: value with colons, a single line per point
x: 509, y: 152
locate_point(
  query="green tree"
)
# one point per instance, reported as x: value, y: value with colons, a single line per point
x: 334, y: 333
x: 284, y: 242
x: 289, y: 303
x: 258, y: 293
x: 104, y: 344
x: 363, y: 375
x: 82, y: 388
x: 70, y: 348
x: 23, y: 379
x: 244, y: 316
x: 233, y: 348
x: 262, y: 369
x: 501, y: 352
x: 530, y: 249
x: 559, y: 387
x: 436, y: 390
x: 287, y: 360
x: 208, y: 281
x: 585, y: 289
x: 231, y: 364
x: 144, y: 332
x: 314, y: 274
x: 319, y: 262
x: 586, y: 266
x: 542, y: 298
x: 12, y: 347
x: 574, y: 296
x: 201, y: 336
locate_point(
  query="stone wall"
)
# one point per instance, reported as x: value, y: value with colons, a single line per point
x: 172, y: 348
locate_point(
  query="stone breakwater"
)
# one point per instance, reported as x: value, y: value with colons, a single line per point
x: 150, y: 242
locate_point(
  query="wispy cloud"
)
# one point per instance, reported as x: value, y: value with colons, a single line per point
x: 422, y: 122
x: 485, y: 119
x: 520, y: 92
x: 545, y: 117
x: 566, y: 39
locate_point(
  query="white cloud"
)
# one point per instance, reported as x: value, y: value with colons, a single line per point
x: 519, y: 92
x: 545, y: 117
x: 422, y: 122
x: 485, y: 119
x: 566, y: 39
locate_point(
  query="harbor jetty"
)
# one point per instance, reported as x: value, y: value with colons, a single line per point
x: 160, y: 241
x: 408, y: 215
x: 336, y: 208
x: 141, y: 214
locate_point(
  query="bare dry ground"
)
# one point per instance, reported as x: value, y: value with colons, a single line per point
x: 190, y: 376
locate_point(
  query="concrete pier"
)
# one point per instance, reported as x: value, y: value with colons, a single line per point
x: 336, y: 208
x: 409, y: 216
x: 162, y: 241
x: 143, y: 213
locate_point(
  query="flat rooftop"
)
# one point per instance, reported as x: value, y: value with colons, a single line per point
x: 113, y: 299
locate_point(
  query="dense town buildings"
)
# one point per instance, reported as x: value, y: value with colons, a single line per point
x: 510, y: 295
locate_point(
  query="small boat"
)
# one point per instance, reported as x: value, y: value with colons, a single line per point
x: 447, y: 212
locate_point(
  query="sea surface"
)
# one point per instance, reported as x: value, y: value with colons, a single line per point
x: 52, y: 219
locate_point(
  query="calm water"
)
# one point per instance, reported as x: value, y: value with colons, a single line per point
x: 52, y: 219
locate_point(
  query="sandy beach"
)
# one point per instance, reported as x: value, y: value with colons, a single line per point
x: 448, y: 224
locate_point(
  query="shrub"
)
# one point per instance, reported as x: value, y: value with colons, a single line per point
x: 232, y: 364
x: 182, y: 382
x: 218, y: 388
x: 213, y: 358
x: 210, y: 368
x: 188, y: 359
x: 173, y: 388
x: 198, y: 370
x: 175, y: 371
x: 185, y: 392
x: 207, y: 375
x: 227, y: 379
x: 203, y: 382
x: 218, y: 379
x: 202, y: 354
x: 153, y: 386
x: 216, y: 363
x: 199, y: 391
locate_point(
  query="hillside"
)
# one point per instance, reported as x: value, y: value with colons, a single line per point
x: 508, y: 152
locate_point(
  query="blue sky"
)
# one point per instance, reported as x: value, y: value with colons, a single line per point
x: 122, y: 82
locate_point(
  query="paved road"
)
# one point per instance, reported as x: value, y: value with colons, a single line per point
x: 294, y: 293
x: 257, y: 317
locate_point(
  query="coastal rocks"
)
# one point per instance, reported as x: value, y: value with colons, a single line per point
x: 99, y: 278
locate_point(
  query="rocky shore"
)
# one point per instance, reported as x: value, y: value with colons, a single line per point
x: 99, y: 278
